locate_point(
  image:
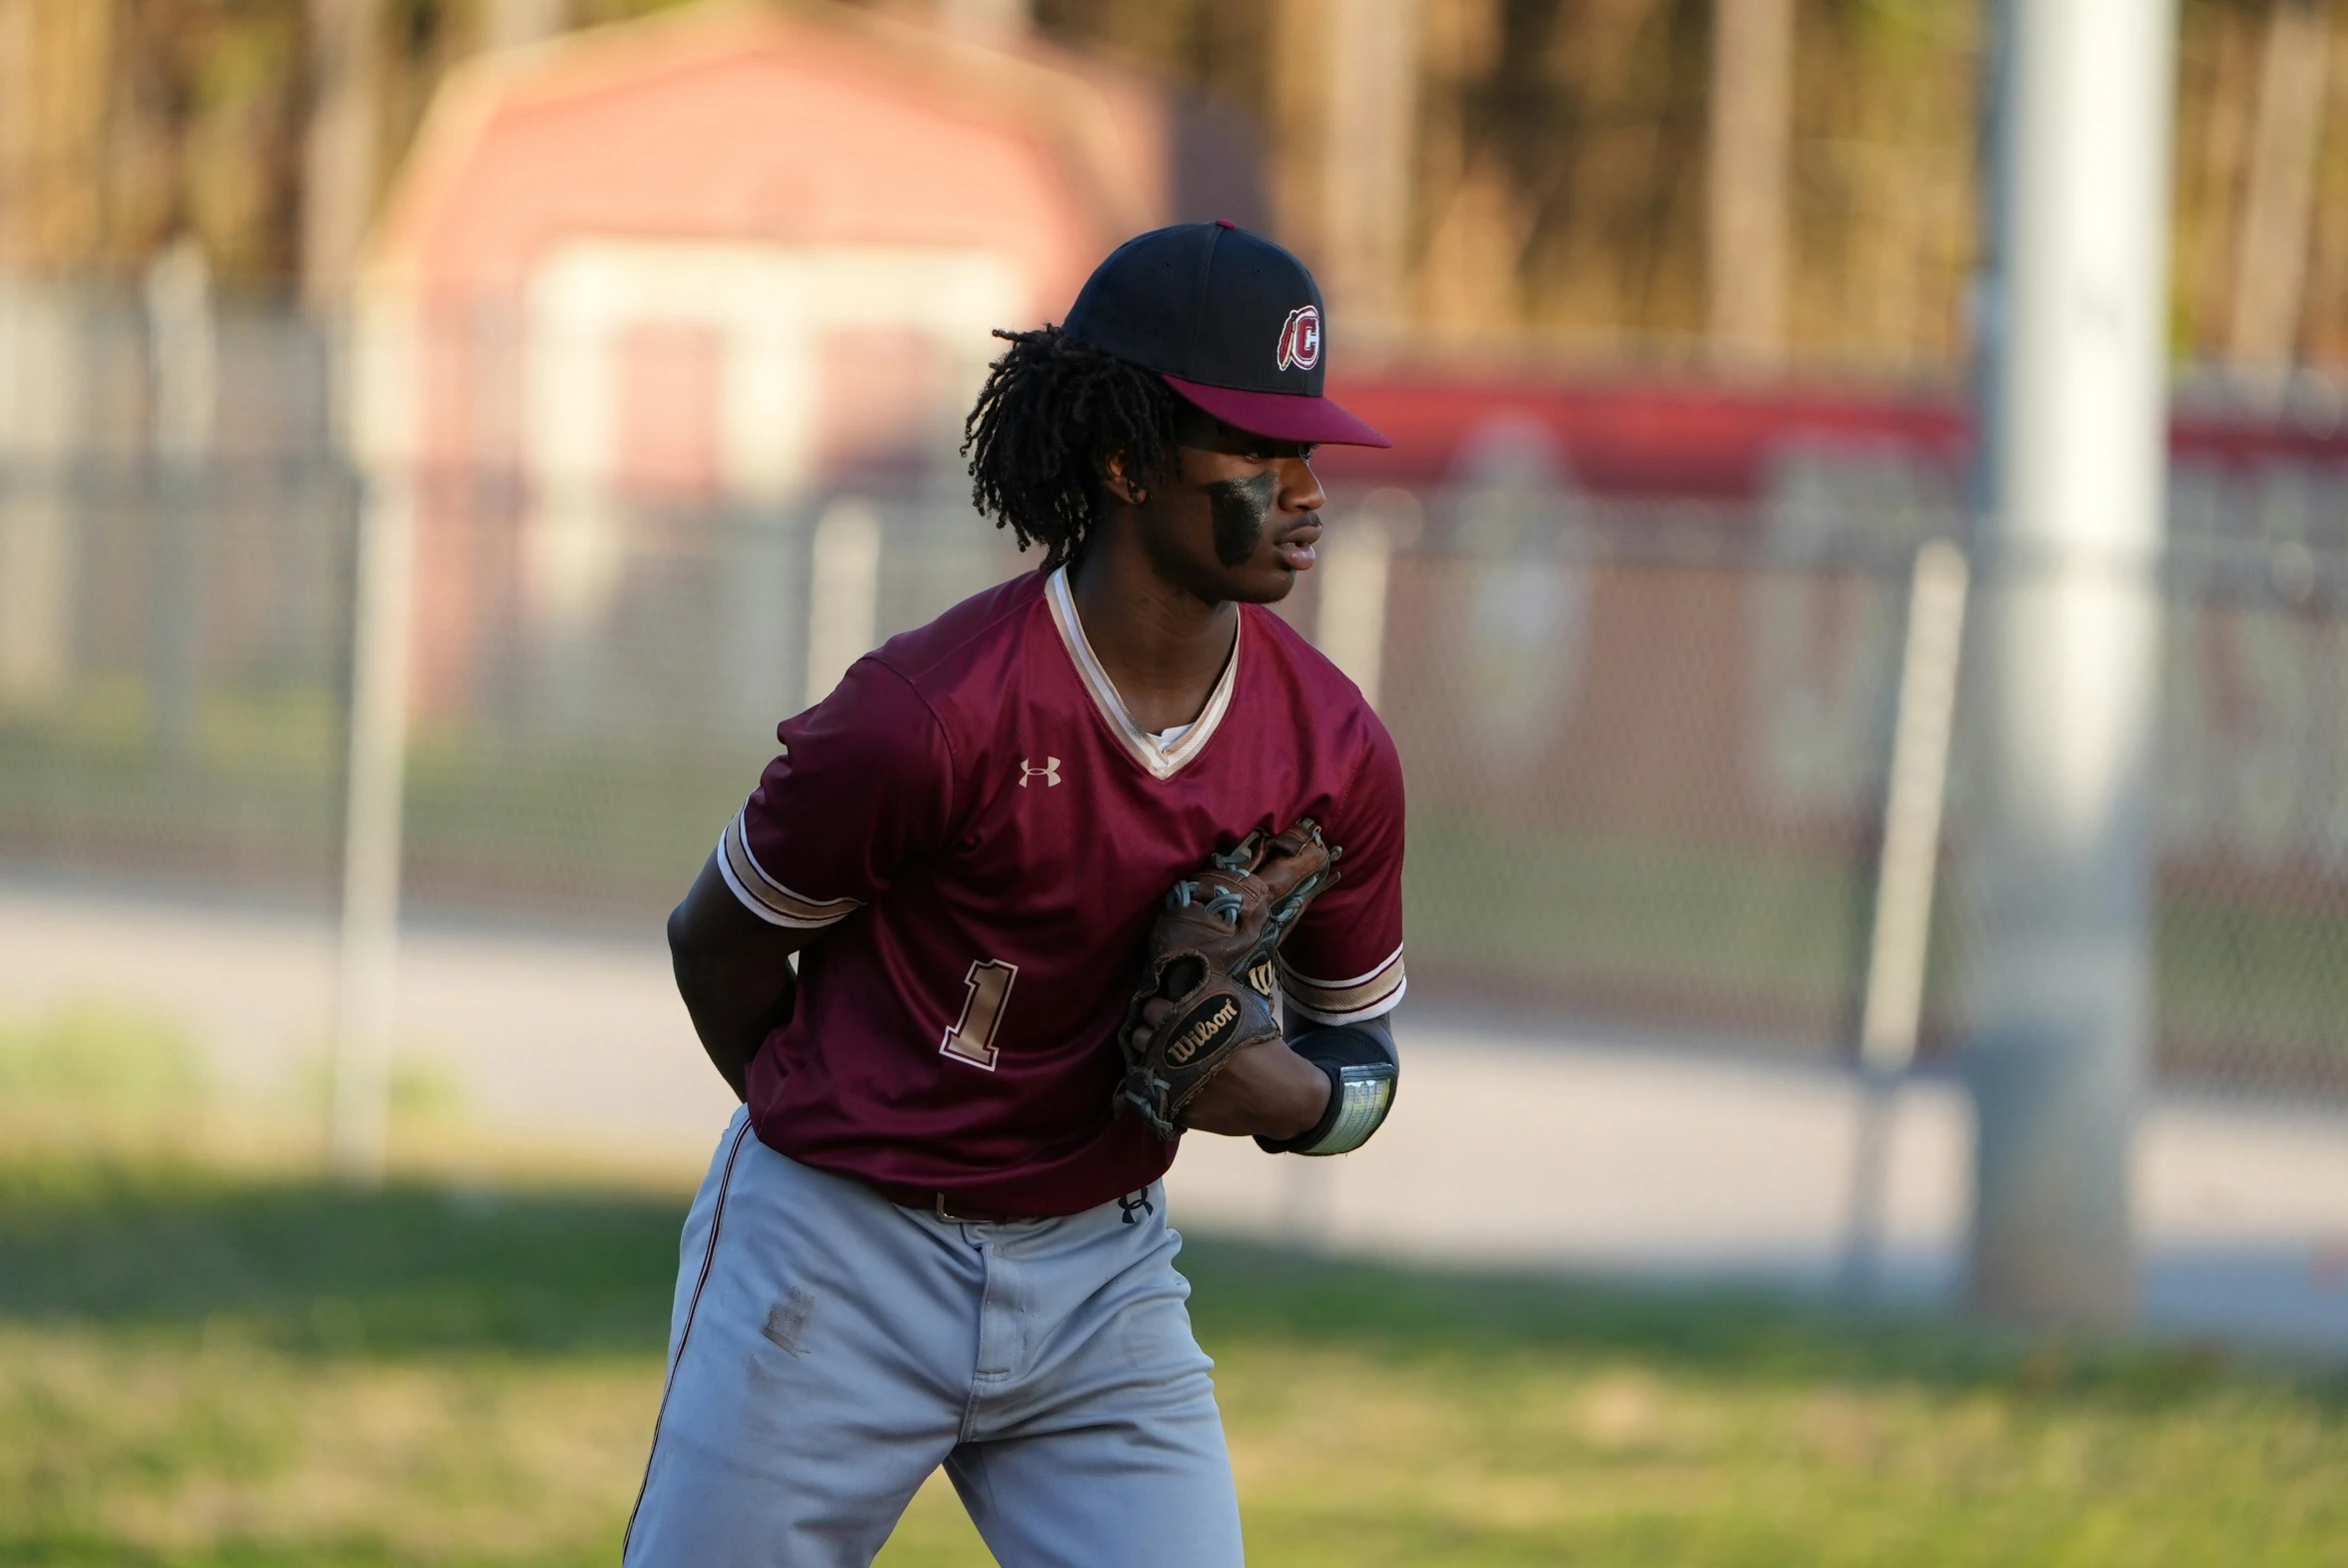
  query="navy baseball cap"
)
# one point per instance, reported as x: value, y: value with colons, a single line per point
x: 1230, y: 319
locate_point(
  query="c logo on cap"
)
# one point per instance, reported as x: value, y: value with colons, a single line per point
x: 1300, y: 337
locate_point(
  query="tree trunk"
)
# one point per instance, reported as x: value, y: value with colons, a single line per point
x: 56, y: 91
x: 339, y: 166
x: 516, y: 24
x: 1370, y: 131
x: 1746, y: 264
x: 17, y: 133
x: 2278, y: 208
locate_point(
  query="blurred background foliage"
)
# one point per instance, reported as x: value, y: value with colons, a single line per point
x: 102, y: 1053
x: 1558, y: 174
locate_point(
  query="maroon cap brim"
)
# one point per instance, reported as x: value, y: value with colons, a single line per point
x: 1282, y: 415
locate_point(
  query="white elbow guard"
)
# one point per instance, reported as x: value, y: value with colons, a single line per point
x: 1361, y: 1082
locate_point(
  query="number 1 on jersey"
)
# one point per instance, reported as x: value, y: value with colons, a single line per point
x: 972, y: 1038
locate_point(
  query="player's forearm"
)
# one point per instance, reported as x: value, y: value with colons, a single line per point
x: 1267, y: 1091
x: 1360, y: 1067
x: 732, y: 1020
x: 734, y: 973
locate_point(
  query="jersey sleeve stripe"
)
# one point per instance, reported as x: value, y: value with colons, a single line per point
x: 1345, y: 1001
x: 767, y: 899
x: 1384, y: 1004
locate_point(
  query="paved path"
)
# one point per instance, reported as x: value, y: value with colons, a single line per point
x: 1563, y: 1152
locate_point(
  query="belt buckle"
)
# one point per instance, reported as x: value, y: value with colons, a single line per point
x: 939, y: 1202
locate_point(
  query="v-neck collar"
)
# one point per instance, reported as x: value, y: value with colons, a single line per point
x: 1163, y: 761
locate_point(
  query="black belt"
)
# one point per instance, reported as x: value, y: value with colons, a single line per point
x: 945, y: 1205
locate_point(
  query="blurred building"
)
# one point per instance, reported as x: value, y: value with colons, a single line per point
x: 731, y: 257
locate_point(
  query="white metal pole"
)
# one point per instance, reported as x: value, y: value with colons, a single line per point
x: 1351, y: 628
x: 1909, y: 863
x: 366, y: 987
x: 183, y: 356
x: 39, y: 374
x: 1352, y: 624
x: 2058, y: 856
x: 843, y: 592
x: 368, y: 959
x: 1906, y: 870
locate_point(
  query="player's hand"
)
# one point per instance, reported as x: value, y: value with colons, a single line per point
x: 1207, y: 993
x: 1266, y: 1091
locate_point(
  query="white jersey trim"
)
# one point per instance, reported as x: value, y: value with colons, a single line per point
x: 1385, y: 1004
x: 1163, y: 761
x: 767, y: 899
x: 1345, y: 1001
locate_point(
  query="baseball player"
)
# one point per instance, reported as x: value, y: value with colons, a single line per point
x: 1043, y: 864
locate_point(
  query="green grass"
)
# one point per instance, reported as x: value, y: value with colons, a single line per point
x: 92, y: 1053
x: 213, y: 1359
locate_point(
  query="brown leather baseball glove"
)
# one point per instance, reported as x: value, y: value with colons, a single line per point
x: 1210, y: 956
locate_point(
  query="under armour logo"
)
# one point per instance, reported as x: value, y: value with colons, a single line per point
x: 1048, y: 772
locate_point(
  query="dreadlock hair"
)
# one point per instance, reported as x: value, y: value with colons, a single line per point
x: 1052, y: 410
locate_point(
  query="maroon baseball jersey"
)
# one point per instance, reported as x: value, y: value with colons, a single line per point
x: 982, y: 835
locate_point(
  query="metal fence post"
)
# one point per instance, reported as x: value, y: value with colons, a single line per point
x: 844, y: 591
x: 1905, y: 872
x: 183, y: 361
x: 1351, y: 626
x: 360, y: 1069
x: 40, y: 394
x: 2059, y: 852
x: 371, y: 855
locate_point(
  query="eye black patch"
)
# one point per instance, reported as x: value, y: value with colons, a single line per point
x: 1241, y: 507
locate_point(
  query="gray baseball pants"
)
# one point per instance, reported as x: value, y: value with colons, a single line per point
x: 829, y: 1349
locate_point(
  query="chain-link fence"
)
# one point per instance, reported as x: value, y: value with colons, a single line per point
x: 1647, y: 741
